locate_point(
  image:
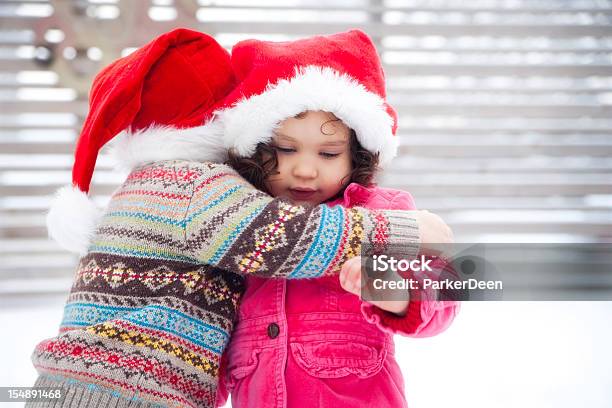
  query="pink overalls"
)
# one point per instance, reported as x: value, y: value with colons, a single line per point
x: 309, y: 343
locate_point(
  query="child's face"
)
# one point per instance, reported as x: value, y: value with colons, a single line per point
x: 313, y: 158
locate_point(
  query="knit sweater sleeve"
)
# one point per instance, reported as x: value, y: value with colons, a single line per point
x: 231, y: 225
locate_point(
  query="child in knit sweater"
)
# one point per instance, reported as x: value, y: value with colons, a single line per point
x: 313, y: 342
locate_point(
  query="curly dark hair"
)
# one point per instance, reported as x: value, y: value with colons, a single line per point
x: 264, y: 162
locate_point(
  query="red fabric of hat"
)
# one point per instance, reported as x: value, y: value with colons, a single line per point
x: 174, y: 80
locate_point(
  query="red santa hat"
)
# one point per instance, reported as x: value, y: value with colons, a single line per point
x: 339, y: 73
x: 162, y: 95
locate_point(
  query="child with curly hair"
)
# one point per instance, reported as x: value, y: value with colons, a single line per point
x: 317, y: 134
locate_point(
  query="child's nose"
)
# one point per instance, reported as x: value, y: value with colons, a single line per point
x: 304, y: 170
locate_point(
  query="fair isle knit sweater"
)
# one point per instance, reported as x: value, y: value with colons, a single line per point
x: 154, y: 300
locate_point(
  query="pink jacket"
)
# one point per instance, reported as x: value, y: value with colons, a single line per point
x: 309, y: 343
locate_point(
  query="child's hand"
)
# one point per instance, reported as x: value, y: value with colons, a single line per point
x: 350, y: 280
x: 436, y: 236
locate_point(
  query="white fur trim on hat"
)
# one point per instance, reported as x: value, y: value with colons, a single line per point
x: 251, y: 121
x: 157, y: 143
x: 72, y: 219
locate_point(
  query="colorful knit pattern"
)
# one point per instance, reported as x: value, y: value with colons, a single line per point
x: 153, y: 302
x: 267, y: 239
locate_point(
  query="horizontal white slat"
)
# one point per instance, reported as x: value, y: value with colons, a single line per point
x: 37, y: 148
x: 594, y: 179
x: 415, y: 29
x: 523, y: 5
x: 59, y: 260
x: 543, y: 85
x: 28, y: 106
x: 40, y: 285
x: 533, y: 8
x: 502, y: 97
x: 409, y: 165
x: 26, y: 134
x: 38, y: 120
x: 462, y: 125
x: 48, y: 161
x: 531, y: 237
x: 497, y: 6
x: 42, y: 202
x: 21, y: 246
x: 503, y: 139
x: 538, y: 184
x: 19, y: 65
x: 49, y: 189
x: 25, y: 36
x: 493, y: 69
x: 582, y: 228
x: 585, y: 203
x: 509, y: 150
x: 37, y: 178
x: 500, y: 110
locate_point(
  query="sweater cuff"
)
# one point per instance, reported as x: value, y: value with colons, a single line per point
x: 402, y: 234
x: 392, y: 323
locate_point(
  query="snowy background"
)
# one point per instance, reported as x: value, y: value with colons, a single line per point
x: 496, y: 354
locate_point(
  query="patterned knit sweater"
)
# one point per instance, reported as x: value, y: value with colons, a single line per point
x: 154, y: 300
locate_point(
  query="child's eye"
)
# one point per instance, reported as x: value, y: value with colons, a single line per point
x: 329, y: 155
x: 284, y: 149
